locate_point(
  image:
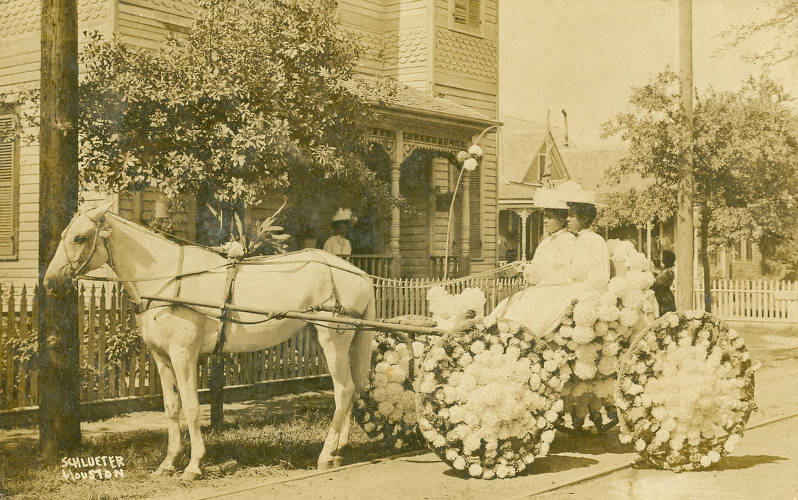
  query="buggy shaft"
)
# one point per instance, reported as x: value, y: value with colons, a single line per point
x: 306, y: 316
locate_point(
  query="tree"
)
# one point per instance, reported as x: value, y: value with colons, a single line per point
x: 781, y: 26
x: 745, y: 157
x: 258, y: 97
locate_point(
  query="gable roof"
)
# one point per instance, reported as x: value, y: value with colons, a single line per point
x: 588, y: 166
x: 518, y: 177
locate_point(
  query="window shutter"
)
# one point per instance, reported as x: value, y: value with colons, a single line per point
x: 474, y: 13
x: 460, y: 11
x: 7, y: 202
x: 475, y: 238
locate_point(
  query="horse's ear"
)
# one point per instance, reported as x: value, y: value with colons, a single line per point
x: 95, y: 214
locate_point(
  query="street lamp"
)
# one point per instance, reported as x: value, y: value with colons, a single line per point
x: 469, y: 161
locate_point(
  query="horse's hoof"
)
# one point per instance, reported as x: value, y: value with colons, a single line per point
x: 190, y: 475
x: 163, y: 471
x: 326, y: 465
x: 338, y: 461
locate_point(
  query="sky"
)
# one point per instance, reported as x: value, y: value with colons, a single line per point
x: 585, y: 55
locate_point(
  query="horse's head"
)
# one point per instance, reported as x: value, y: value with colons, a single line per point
x: 81, y: 249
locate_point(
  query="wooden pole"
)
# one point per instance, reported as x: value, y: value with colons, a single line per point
x: 59, y: 342
x: 684, y: 222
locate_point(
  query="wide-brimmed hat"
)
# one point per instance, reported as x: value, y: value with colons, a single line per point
x: 344, y: 215
x: 547, y: 198
x: 573, y: 192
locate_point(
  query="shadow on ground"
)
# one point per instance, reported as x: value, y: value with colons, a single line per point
x: 590, y: 444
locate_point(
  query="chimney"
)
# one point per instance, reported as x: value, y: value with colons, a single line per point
x: 565, y: 118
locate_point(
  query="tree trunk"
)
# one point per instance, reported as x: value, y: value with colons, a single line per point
x: 214, y: 226
x: 59, y: 340
x: 706, y: 215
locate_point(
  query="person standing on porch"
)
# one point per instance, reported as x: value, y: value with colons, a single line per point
x: 338, y: 243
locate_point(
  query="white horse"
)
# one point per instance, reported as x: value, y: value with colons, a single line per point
x: 149, y: 264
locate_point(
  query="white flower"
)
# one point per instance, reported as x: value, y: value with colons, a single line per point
x: 629, y: 317
x: 459, y: 463
x: 583, y: 335
x: 475, y: 150
x: 617, y: 286
x: 475, y: 470
x: 585, y: 314
x: 585, y: 371
x: 608, y: 313
x: 470, y: 164
x: 633, y: 299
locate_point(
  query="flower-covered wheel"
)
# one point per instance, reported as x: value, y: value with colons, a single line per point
x: 487, y: 399
x: 386, y: 410
x: 685, y: 391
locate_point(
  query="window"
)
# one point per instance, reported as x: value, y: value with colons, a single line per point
x: 749, y: 250
x: 466, y: 15
x: 8, y: 187
x: 542, y: 171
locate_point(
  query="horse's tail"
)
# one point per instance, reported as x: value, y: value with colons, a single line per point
x: 360, y: 350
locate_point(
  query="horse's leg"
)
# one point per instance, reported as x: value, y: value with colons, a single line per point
x: 184, y: 361
x: 171, y: 406
x: 336, y: 351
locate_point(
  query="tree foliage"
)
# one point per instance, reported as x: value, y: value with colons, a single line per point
x: 745, y: 157
x: 781, y: 26
x: 258, y: 97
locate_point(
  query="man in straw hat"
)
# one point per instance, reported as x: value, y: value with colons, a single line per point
x: 338, y: 244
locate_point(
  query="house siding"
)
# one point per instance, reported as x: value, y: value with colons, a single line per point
x: 20, y: 61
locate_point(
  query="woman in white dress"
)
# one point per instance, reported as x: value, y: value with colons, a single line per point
x: 590, y: 269
x: 573, y: 265
x: 548, y: 273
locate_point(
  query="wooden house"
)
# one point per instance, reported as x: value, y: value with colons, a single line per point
x: 444, y: 54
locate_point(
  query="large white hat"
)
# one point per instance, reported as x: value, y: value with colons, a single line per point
x: 344, y: 215
x: 572, y: 191
x: 547, y: 198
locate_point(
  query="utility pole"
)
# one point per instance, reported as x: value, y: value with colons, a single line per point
x: 59, y: 342
x: 684, y: 221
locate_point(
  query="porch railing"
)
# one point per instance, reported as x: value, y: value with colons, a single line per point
x: 459, y: 266
x: 375, y: 264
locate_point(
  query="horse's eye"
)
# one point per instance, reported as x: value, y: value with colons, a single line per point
x: 79, y: 239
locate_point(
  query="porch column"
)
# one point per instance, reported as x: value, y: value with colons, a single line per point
x: 398, y: 154
x: 648, y: 240
x: 523, y: 213
x: 465, y: 215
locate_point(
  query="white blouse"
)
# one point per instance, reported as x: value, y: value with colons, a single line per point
x: 591, y: 264
x: 551, y: 264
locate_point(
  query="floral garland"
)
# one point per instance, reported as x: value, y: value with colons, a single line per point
x: 685, y: 391
x: 487, y: 398
x: 595, y: 333
x: 452, y: 311
x: 387, y: 409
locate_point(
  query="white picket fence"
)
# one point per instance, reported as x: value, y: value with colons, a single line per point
x: 744, y: 300
x: 751, y: 300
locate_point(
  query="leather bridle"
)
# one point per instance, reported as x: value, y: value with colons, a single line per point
x: 75, y: 266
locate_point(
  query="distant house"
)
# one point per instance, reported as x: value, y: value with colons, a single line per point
x: 530, y: 159
x: 589, y: 166
x: 444, y: 54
